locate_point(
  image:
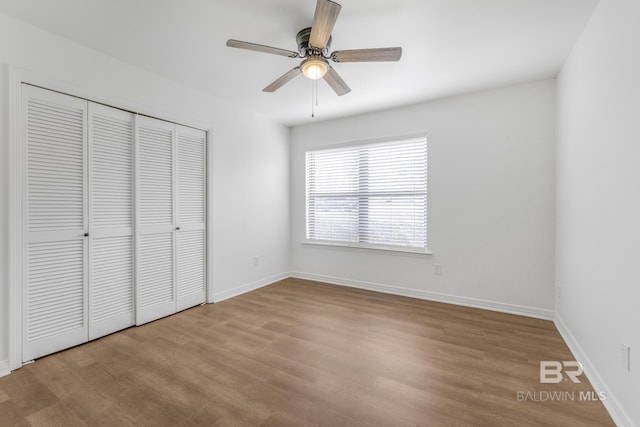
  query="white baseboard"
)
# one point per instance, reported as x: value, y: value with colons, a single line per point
x: 431, y: 296
x: 618, y: 414
x: 239, y: 290
x: 4, y: 368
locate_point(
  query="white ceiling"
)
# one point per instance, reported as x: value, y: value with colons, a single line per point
x: 449, y: 46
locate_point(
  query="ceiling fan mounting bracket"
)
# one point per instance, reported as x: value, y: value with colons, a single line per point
x: 302, y: 39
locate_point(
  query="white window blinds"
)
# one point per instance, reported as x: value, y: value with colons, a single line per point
x: 369, y: 195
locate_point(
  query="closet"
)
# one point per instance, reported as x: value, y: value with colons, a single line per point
x: 115, y: 225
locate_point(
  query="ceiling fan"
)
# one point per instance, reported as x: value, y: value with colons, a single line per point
x: 314, y: 44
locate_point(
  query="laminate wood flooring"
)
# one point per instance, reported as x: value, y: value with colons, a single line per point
x: 302, y: 353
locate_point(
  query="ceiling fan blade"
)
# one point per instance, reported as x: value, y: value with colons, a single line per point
x: 335, y: 81
x: 323, y: 22
x: 284, y: 79
x: 261, y: 48
x: 368, y: 55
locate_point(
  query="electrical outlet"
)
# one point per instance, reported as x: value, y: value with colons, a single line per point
x: 437, y: 269
x: 256, y: 261
x: 625, y: 357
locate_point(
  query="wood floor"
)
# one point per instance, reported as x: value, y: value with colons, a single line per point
x: 303, y: 353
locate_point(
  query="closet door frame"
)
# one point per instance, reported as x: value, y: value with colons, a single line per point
x: 15, y: 157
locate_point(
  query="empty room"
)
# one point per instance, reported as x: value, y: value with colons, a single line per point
x: 316, y: 212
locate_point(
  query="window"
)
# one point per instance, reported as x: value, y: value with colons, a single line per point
x: 371, y: 195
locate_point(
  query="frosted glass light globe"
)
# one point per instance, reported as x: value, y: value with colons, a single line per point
x: 314, y: 67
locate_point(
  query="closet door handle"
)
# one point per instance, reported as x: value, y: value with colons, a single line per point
x: 178, y: 228
x: 86, y: 234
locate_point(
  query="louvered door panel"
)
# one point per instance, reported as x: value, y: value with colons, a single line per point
x: 55, y: 134
x: 56, y: 288
x: 155, y: 286
x: 191, y: 176
x: 111, y: 144
x: 155, y: 184
x: 156, y: 291
x: 55, y: 291
x: 111, y: 285
x: 191, y: 268
x: 112, y: 292
x: 191, y: 254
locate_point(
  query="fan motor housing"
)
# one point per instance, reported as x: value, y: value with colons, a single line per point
x: 302, y: 38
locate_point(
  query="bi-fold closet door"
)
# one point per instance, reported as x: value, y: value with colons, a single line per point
x: 79, y: 233
x: 171, y: 201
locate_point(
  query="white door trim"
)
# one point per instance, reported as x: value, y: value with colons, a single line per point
x: 209, y: 216
x: 16, y: 218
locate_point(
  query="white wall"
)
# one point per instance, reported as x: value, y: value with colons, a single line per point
x: 491, y: 201
x: 251, y: 206
x: 4, y: 273
x: 250, y: 165
x: 598, y: 201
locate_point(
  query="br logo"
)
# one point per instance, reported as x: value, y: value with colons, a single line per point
x: 551, y: 371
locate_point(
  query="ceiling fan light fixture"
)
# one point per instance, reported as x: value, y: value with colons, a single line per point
x: 314, y: 67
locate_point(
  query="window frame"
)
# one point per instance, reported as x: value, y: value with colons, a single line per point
x: 360, y: 245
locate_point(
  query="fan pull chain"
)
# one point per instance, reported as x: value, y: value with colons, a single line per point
x: 313, y: 105
x: 314, y: 92
x: 314, y: 97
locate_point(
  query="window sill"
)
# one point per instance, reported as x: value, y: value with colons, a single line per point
x: 390, y: 250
